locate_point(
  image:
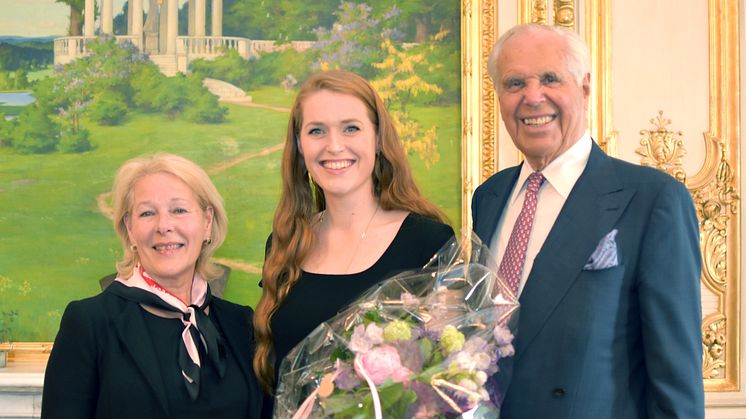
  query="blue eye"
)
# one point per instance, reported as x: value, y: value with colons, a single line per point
x: 315, y: 131
x: 180, y: 211
x: 549, y: 78
x: 146, y: 213
x: 513, y: 84
x: 351, y: 129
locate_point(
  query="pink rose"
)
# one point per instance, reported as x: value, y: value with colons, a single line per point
x: 381, y: 363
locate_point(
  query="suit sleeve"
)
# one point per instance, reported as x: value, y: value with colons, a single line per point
x: 70, y: 381
x: 669, y: 293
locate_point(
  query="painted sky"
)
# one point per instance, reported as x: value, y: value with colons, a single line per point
x: 34, y: 18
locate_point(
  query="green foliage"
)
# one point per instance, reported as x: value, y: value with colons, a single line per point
x: 353, y: 42
x: 17, y: 80
x: 442, y: 62
x: 146, y: 81
x: 109, y: 107
x: 170, y: 96
x: 75, y: 141
x: 203, y: 106
x: 20, y: 79
x: 229, y: 67
x: 7, y: 317
x: 269, y: 69
x: 273, y: 68
x: 26, y: 55
x: 281, y: 20
x: 6, y: 82
x: 35, y: 133
x: 6, y: 131
x: 293, y: 20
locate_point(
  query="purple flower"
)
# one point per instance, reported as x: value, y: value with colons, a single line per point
x: 411, y: 357
x: 346, y: 378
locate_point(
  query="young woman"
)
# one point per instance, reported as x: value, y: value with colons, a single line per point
x: 350, y: 215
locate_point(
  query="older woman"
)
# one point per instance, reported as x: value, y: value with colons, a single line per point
x: 156, y: 343
x: 350, y: 215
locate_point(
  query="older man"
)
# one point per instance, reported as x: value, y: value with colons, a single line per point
x: 603, y: 254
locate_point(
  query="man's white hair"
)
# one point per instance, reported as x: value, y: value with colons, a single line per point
x: 577, y: 54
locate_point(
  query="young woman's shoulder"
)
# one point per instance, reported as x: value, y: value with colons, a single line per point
x: 426, y: 235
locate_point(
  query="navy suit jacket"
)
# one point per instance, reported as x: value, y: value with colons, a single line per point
x: 103, y: 364
x: 622, y: 342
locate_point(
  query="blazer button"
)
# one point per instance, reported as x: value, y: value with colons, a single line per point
x: 558, y: 392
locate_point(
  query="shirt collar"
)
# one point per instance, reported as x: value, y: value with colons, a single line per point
x: 562, y: 172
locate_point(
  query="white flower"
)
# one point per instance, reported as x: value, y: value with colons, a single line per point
x: 502, y: 335
x: 480, y: 377
x: 506, y: 350
x: 364, y: 338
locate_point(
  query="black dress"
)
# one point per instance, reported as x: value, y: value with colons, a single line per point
x: 316, y: 298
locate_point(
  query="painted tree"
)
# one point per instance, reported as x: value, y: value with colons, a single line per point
x: 76, y: 16
x: 399, y: 83
x: 281, y: 20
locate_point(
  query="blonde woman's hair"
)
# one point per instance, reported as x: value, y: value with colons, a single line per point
x: 195, y: 178
x: 292, y: 233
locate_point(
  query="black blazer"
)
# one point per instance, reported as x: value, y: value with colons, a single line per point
x: 103, y: 364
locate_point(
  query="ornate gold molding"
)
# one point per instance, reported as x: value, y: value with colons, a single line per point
x: 597, y: 25
x: 533, y: 11
x: 479, y: 100
x: 663, y: 149
x: 716, y: 196
x: 715, y: 199
x: 27, y: 351
x: 564, y: 13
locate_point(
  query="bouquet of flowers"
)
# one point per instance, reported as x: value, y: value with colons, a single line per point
x: 418, y: 345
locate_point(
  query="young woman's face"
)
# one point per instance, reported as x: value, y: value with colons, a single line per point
x: 338, y: 143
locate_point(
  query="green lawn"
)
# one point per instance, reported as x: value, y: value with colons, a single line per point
x: 55, y: 244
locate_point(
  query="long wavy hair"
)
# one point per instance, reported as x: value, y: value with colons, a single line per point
x: 301, y: 199
x: 197, y: 180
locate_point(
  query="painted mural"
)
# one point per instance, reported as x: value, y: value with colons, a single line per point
x: 212, y: 80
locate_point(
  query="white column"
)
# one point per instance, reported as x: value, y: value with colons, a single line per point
x: 217, y: 18
x: 199, y: 18
x: 135, y: 6
x: 173, y: 26
x: 190, y: 15
x: 107, y: 18
x: 89, y: 19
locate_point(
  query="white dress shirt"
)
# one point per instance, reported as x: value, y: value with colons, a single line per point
x: 561, y: 175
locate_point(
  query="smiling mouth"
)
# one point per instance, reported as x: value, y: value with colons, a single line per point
x: 538, y: 120
x: 167, y: 247
x: 336, y: 164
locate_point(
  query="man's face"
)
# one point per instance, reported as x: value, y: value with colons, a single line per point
x: 542, y: 105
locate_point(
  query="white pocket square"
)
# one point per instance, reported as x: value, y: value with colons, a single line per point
x: 605, y: 255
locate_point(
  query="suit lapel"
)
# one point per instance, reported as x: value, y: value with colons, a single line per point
x: 595, y: 204
x: 131, y: 329
x: 492, y: 205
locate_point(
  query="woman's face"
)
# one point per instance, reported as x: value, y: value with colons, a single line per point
x: 338, y: 143
x: 168, y: 226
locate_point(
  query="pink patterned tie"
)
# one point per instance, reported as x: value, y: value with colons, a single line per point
x: 511, y: 267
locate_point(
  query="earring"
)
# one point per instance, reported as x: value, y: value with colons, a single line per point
x: 133, y: 248
x: 207, y: 241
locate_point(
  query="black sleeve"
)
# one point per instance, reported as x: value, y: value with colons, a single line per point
x: 71, y: 378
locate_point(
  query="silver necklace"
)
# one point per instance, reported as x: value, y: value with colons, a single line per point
x: 362, y: 236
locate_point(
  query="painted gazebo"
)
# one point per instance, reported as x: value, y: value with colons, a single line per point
x: 158, y: 36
